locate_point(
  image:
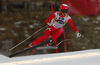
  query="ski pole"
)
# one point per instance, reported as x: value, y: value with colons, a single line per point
x: 63, y: 41
x: 26, y: 39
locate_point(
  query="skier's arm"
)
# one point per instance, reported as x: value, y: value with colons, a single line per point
x: 50, y: 18
x: 72, y: 25
x: 74, y: 28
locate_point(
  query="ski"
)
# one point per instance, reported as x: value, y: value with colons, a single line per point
x: 33, y: 47
x: 47, y: 47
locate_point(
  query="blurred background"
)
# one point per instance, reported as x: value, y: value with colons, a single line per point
x: 21, y: 18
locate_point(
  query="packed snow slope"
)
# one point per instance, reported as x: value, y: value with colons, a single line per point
x: 86, y: 57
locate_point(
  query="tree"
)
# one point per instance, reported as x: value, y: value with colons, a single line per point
x: 4, y: 5
x: 0, y: 6
x: 57, y: 3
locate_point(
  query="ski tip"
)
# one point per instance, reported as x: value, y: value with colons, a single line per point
x: 10, y: 56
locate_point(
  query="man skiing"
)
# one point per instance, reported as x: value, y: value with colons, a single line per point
x: 55, y: 22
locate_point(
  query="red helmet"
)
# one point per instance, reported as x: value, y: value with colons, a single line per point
x: 64, y: 6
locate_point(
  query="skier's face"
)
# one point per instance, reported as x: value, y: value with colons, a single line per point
x: 63, y: 12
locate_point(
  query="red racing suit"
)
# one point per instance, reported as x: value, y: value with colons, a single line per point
x: 55, y: 31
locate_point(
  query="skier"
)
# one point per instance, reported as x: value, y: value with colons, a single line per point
x: 55, y: 22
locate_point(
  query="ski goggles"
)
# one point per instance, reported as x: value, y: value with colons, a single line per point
x: 63, y: 11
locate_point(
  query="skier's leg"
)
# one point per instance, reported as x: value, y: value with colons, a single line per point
x: 44, y: 37
x: 57, y: 34
x: 39, y: 39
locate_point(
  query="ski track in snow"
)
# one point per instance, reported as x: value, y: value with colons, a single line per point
x: 86, y: 57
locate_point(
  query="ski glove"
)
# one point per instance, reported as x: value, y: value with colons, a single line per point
x: 78, y: 34
x: 50, y: 23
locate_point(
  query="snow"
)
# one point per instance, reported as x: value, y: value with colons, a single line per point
x: 31, y: 26
x: 2, y: 29
x: 17, y: 23
x: 86, y: 57
x: 98, y: 18
x: 85, y: 19
x: 97, y: 22
x: 97, y: 28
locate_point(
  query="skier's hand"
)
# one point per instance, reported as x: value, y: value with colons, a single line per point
x: 78, y: 34
x: 50, y: 23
